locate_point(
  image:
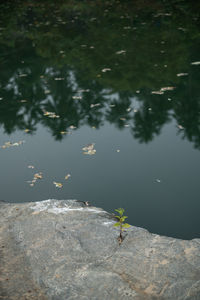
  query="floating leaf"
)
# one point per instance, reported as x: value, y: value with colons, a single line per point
x: 58, y: 184
x: 157, y: 92
x: 89, y: 149
x: 195, y: 63
x: 38, y: 175
x: 77, y: 97
x: 121, y: 52
x: 9, y: 144
x: 168, y: 88
x: 158, y: 180
x: 180, y: 127
x: 47, y: 91
x: 23, y: 75
x: 181, y: 74
x: 35, y: 177
x: 83, y: 91
x: 50, y: 114
x: 67, y: 176
x: 105, y: 70
x: 95, y: 105
x: 163, y: 89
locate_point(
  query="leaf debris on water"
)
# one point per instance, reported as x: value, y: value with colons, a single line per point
x: 36, y: 176
x: 23, y: 75
x: 157, y: 92
x: 168, y: 88
x: 47, y: 91
x: 77, y: 97
x: 83, y: 91
x: 162, y: 90
x: 195, y: 63
x: 158, y: 180
x: 121, y: 52
x: 180, y: 126
x: 50, y: 114
x: 9, y: 144
x: 58, y: 184
x: 105, y: 70
x: 181, y: 74
x: 89, y: 149
x: 95, y: 105
x: 67, y: 176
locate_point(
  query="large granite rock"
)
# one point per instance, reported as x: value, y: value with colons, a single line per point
x: 65, y: 250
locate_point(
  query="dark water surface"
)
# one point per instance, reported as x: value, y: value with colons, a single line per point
x: 123, y: 77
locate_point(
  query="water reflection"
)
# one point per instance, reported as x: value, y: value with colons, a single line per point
x: 88, y: 64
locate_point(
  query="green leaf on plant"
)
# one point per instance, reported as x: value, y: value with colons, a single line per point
x: 117, y: 224
x: 122, y: 219
x: 126, y: 225
x: 120, y: 211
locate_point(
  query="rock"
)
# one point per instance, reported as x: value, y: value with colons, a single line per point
x: 63, y: 249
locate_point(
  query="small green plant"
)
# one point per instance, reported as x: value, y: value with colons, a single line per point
x: 121, y: 219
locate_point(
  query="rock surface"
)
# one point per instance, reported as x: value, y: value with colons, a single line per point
x: 62, y: 249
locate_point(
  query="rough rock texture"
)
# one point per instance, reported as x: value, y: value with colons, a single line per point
x: 65, y: 250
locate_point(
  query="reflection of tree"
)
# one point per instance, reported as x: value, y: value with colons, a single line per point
x: 151, y: 117
x: 75, y: 43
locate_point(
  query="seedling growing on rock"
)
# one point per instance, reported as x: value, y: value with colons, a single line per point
x: 121, y: 219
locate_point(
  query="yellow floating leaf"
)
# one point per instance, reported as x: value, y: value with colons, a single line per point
x: 89, y: 149
x: 38, y: 175
x: 58, y: 184
x: 168, y: 88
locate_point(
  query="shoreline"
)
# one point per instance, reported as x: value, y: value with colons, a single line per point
x: 63, y: 249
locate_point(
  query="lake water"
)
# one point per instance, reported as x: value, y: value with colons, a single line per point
x: 122, y: 79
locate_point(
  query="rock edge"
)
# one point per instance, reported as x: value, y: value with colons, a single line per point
x: 62, y: 249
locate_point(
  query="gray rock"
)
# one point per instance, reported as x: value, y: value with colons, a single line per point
x: 62, y: 249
